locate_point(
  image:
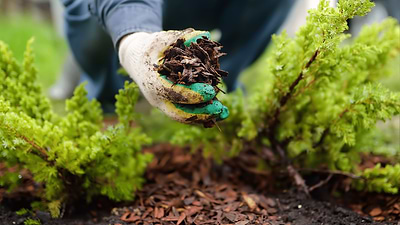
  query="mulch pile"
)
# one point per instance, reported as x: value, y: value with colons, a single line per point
x: 197, y: 63
x: 379, y: 206
x: 184, y: 188
x: 187, y: 189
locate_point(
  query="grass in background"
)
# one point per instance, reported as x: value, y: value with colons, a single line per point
x: 49, y: 47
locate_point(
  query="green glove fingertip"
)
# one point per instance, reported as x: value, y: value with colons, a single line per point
x: 205, y: 90
x: 216, y: 109
x: 194, y: 39
x: 224, y: 114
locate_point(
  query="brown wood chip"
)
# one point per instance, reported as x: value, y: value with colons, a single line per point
x: 249, y: 201
x: 375, y: 212
x: 158, y: 213
x: 197, y: 63
x: 130, y: 217
x: 181, y: 218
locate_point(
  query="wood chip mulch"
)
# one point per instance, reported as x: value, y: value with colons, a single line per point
x: 197, y: 63
x: 381, y: 207
x: 182, y: 190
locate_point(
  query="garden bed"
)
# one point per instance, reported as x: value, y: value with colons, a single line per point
x: 184, y: 188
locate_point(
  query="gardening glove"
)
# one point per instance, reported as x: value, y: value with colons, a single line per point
x: 140, y: 52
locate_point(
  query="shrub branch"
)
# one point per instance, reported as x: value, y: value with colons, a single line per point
x: 273, y: 122
x: 41, y: 152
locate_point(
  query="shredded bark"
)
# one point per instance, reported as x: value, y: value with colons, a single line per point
x: 197, y: 63
x: 184, y: 188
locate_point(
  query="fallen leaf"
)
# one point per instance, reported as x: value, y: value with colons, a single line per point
x: 375, y: 212
x: 158, y: 213
x: 231, y: 216
x: 125, y: 215
x: 249, y: 201
x: 129, y: 217
x: 170, y: 218
x: 200, y: 194
x: 379, y: 218
x: 196, y: 203
x: 244, y: 222
x: 181, y: 218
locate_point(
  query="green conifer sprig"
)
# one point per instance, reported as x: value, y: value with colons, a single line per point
x: 73, y: 156
x: 18, y: 81
x: 321, y: 98
x: 380, y: 179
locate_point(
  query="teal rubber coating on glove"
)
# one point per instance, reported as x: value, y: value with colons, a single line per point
x: 194, y: 39
x: 215, y: 108
x: 205, y: 90
x: 224, y: 114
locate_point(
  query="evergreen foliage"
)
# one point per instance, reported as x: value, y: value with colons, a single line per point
x: 319, y: 100
x: 72, y: 156
x: 32, y: 222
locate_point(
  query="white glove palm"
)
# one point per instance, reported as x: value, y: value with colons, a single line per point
x: 140, y: 52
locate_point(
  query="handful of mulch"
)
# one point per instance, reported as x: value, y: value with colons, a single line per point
x: 197, y: 63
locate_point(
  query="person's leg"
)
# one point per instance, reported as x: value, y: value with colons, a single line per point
x: 246, y: 26
x: 68, y: 79
x: 393, y: 8
x: 246, y: 31
x: 70, y: 73
x: 93, y: 50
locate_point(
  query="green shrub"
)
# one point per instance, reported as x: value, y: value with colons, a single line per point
x: 73, y: 156
x: 319, y: 100
x: 32, y: 222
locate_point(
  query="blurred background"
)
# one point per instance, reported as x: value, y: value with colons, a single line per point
x: 43, y: 19
x: 21, y: 20
x: 58, y: 73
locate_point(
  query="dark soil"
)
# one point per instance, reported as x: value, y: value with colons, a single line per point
x: 197, y: 63
x: 183, y: 188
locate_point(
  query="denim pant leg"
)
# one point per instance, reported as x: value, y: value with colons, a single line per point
x: 246, y: 26
x: 393, y: 7
x: 93, y: 49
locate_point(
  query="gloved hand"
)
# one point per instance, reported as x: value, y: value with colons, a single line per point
x: 140, y: 52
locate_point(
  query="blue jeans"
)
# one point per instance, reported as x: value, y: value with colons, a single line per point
x: 393, y: 7
x: 246, y: 28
